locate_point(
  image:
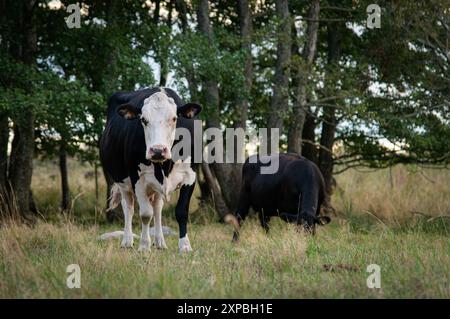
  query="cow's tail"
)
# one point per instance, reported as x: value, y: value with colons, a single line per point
x: 327, y: 208
x: 114, y: 198
x: 232, y: 220
x: 113, y: 234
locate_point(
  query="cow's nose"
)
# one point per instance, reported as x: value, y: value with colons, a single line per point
x: 158, y: 152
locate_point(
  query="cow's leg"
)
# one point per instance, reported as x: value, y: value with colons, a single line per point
x: 308, y: 208
x: 264, y: 220
x: 243, y: 205
x: 128, y: 211
x: 159, y: 236
x: 242, y: 210
x: 181, y: 214
x: 146, y: 214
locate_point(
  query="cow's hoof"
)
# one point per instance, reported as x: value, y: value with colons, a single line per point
x: 144, y: 247
x: 184, y: 245
x: 185, y: 249
x: 160, y: 243
x: 127, y: 241
x: 235, y: 238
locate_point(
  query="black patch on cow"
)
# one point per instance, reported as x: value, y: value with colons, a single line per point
x: 162, y: 169
x: 159, y: 173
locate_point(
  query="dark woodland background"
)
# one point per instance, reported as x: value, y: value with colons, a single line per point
x: 342, y: 95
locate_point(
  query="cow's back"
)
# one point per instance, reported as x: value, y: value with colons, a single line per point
x: 265, y: 189
x: 302, y: 179
x: 115, y: 145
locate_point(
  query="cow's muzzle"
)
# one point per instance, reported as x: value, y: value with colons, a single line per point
x: 158, y: 153
x: 294, y: 218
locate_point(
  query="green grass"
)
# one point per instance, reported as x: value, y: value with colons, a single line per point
x: 284, y: 264
x: 397, y: 219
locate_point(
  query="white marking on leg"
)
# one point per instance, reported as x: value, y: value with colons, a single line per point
x: 146, y: 214
x: 159, y: 236
x: 184, y: 245
x: 128, y: 211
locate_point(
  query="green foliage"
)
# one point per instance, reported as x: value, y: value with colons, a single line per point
x: 390, y: 84
x: 221, y: 61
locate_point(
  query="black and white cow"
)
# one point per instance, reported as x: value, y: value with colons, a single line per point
x: 295, y: 192
x: 135, y: 150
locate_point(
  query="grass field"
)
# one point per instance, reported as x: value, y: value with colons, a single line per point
x: 397, y: 220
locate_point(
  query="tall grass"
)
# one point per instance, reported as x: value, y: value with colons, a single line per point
x: 392, y: 195
x: 282, y: 264
x: 396, y: 219
x: 9, y: 211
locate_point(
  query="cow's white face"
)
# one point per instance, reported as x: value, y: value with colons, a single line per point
x: 159, y: 119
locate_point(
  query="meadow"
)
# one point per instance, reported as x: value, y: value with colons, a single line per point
x: 396, y: 218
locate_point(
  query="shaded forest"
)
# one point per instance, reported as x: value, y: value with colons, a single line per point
x: 343, y: 95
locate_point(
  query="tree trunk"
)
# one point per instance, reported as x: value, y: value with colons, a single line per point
x: 180, y: 6
x: 232, y: 181
x: 4, y: 138
x: 210, y: 92
x: 164, y: 70
x: 246, y: 28
x: 156, y: 12
x: 65, y: 190
x: 300, y: 80
x: 326, y: 160
x: 309, y: 149
x: 205, y: 191
x: 218, y: 201
x: 21, y: 168
x: 280, y: 99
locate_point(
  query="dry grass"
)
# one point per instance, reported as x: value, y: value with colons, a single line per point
x: 375, y: 225
x: 284, y: 264
x: 395, y: 194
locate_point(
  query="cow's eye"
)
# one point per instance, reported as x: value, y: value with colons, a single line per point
x: 174, y: 119
x: 144, y: 121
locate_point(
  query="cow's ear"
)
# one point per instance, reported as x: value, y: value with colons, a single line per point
x: 323, y: 220
x: 189, y: 110
x: 128, y: 111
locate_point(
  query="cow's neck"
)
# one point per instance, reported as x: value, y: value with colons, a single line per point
x: 162, y: 169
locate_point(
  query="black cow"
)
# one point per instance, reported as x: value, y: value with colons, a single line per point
x: 135, y: 151
x: 295, y: 192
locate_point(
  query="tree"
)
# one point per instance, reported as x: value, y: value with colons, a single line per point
x: 329, y: 111
x: 210, y: 92
x: 23, y: 49
x: 114, y: 39
x: 242, y: 100
x: 279, y: 104
x: 300, y: 78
